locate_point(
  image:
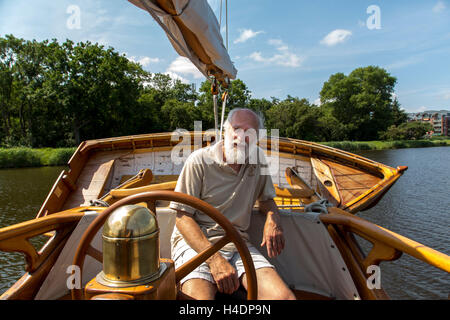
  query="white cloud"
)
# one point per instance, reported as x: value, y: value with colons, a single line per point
x: 284, y: 57
x: 184, y: 66
x: 175, y: 76
x: 276, y: 42
x: 421, y: 109
x: 144, y: 61
x: 335, y: 37
x: 439, y: 7
x: 257, y: 57
x: 317, y: 102
x: 246, y: 34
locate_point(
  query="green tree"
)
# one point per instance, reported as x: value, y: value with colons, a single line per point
x: 407, y: 131
x: 399, y: 116
x: 260, y: 106
x: 158, y: 92
x: 239, y: 96
x: 179, y: 115
x: 295, y: 118
x: 97, y: 89
x: 58, y: 94
x: 8, y: 46
x: 22, y: 79
x: 163, y: 88
x: 331, y: 129
x: 362, y: 101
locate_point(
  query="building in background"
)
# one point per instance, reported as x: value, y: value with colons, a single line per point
x: 440, y: 120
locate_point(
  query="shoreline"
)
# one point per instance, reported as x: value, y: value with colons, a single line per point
x: 23, y: 157
x: 352, y: 146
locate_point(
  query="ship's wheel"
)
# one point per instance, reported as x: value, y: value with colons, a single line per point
x: 231, y: 235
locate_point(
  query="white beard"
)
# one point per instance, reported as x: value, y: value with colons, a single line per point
x: 239, y: 154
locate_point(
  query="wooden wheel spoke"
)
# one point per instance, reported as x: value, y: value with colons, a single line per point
x: 94, y: 253
x: 193, y: 263
x: 151, y: 205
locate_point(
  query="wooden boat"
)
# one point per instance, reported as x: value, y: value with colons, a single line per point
x: 111, y: 171
x: 107, y: 174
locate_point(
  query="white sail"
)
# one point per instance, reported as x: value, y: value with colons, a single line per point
x: 197, y: 17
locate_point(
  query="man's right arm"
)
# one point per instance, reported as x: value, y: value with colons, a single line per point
x: 223, y: 273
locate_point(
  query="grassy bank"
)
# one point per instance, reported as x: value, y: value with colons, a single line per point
x: 27, y: 157
x: 381, y: 145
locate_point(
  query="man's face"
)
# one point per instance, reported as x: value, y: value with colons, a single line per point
x: 240, y: 140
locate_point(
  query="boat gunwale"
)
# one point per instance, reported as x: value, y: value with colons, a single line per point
x: 387, y: 174
x: 307, y: 146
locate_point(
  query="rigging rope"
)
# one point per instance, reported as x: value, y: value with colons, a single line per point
x: 220, y: 19
x: 215, y: 92
x: 225, y: 94
x: 214, y: 85
x: 226, y: 19
x: 320, y: 206
x: 224, y: 103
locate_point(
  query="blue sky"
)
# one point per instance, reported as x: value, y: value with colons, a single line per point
x: 279, y: 47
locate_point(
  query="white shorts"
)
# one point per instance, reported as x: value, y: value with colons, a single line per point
x: 182, y: 255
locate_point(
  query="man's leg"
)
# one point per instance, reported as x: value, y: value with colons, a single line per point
x: 270, y: 285
x: 199, y: 289
x: 199, y: 284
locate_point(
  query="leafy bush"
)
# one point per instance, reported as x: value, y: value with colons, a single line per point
x: 18, y: 158
x: 60, y: 156
x: 27, y: 157
x: 407, y: 131
x: 350, y: 146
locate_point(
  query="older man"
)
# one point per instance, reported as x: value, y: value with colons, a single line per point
x: 224, y: 176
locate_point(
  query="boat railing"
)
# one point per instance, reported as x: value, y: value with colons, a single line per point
x: 386, y: 246
x: 16, y: 238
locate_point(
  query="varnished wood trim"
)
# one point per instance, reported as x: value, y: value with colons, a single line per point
x: 120, y: 193
x: 94, y: 253
x: 372, y: 232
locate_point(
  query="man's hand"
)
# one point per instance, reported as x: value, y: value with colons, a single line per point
x: 224, y: 274
x: 273, y: 236
x: 222, y: 271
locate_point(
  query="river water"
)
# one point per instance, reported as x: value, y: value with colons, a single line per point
x: 417, y: 206
x: 22, y: 192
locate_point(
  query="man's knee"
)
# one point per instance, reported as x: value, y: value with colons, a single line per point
x: 282, y: 294
x: 280, y: 291
x: 199, y: 289
x: 271, y: 286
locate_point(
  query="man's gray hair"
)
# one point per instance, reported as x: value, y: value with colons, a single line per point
x: 258, y: 115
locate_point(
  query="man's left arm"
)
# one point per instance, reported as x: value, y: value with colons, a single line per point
x: 273, y: 236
